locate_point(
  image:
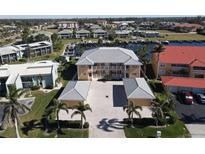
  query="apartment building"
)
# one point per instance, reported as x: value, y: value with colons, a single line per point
x: 184, y: 61
x: 99, y: 33
x: 66, y: 33
x: 41, y: 73
x: 181, y: 63
x: 122, y: 33
x: 144, y: 33
x: 108, y: 62
x: 36, y: 49
x: 9, y: 54
x: 82, y: 33
x: 68, y: 25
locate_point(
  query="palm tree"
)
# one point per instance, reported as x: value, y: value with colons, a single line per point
x: 162, y: 109
x: 143, y: 55
x: 13, y: 108
x: 132, y: 109
x: 80, y: 109
x: 157, y: 111
x: 158, y: 49
x: 55, y: 109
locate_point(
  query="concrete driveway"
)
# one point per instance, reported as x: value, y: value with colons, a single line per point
x: 106, y: 100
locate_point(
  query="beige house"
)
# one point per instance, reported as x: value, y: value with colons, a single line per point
x: 108, y: 62
x: 75, y: 92
x: 138, y: 91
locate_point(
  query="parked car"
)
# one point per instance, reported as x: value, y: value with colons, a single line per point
x: 200, y: 98
x: 186, y: 97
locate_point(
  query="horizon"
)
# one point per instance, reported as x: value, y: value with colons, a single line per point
x: 90, y: 16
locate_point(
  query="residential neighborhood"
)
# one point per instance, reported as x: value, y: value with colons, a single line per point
x: 123, y: 77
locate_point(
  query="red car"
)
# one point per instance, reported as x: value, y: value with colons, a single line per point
x: 187, y: 98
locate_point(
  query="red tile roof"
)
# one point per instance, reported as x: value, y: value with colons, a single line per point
x: 190, y: 55
x: 183, y: 82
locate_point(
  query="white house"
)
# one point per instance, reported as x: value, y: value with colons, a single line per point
x: 41, y: 73
x: 9, y: 54
x: 36, y: 48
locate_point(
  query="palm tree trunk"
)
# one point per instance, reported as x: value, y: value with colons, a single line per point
x: 81, y: 121
x: 132, y: 120
x: 16, y: 128
x: 58, y: 121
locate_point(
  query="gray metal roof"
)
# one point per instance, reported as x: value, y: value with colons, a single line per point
x: 75, y: 91
x: 108, y: 55
x: 66, y: 31
x: 82, y: 31
x: 99, y: 31
x: 137, y: 89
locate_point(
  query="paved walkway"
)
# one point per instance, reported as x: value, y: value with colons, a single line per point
x: 196, y: 130
x: 106, y: 100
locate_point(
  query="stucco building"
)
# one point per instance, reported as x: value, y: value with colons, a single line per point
x: 108, y: 62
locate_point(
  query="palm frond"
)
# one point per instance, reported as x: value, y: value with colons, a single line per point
x: 75, y: 113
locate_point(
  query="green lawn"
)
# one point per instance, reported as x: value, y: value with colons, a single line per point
x: 172, y: 36
x: 177, y: 130
x: 35, y: 115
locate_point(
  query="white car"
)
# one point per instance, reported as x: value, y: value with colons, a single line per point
x: 201, y: 98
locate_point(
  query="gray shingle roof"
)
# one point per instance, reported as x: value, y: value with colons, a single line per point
x: 137, y: 89
x: 108, y: 55
x: 75, y: 91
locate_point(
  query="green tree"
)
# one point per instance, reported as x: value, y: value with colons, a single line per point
x: 143, y: 55
x: 162, y: 108
x: 157, y: 50
x: 41, y: 37
x: 79, y: 110
x: 12, y: 109
x: 55, y: 109
x: 132, y: 109
x: 25, y: 35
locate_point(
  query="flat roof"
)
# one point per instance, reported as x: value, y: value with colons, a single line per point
x: 37, y: 68
x: 137, y: 88
x: 75, y: 91
x: 183, y: 82
x: 8, y: 50
x: 109, y: 55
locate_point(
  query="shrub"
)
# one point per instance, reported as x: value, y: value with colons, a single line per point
x: 49, y: 87
x: 35, y: 88
x: 86, y: 125
x: 22, y: 60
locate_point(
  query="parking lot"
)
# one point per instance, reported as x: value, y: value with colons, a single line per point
x: 193, y: 117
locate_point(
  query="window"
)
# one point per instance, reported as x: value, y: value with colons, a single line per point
x: 179, y: 65
x: 127, y: 75
x: 198, y: 68
x: 162, y: 65
x: 199, y: 76
x: 90, y: 74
